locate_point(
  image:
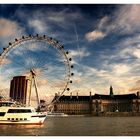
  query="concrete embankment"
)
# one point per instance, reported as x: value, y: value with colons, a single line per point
x: 117, y: 114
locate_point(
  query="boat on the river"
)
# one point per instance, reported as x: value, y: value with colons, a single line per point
x: 55, y: 114
x: 11, y: 113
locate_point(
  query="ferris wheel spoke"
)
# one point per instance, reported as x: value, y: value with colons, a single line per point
x: 39, y: 61
x: 49, y: 79
x: 59, y: 76
x: 18, y: 63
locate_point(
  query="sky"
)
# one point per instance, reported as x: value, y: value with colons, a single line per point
x: 103, y: 41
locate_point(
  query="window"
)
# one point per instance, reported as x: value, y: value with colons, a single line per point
x: 12, y: 118
x: 16, y: 119
x: 8, y: 118
x: 5, y: 104
x: 25, y: 119
x: 19, y: 111
x: 21, y: 119
x: 2, y: 113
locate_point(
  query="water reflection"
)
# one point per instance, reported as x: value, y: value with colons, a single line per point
x: 20, y: 130
x: 77, y: 126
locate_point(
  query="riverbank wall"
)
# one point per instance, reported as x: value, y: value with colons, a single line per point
x: 116, y: 114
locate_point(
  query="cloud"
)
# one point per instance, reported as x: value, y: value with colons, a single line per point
x: 94, y: 35
x: 79, y: 54
x: 82, y: 52
x: 5, y: 61
x: 136, y: 53
x: 48, y: 19
x: 124, y: 20
x: 121, y: 69
x: 63, y: 18
x: 4, y: 84
x: 135, y: 87
x: 9, y: 29
x: 128, y: 48
x: 121, y: 76
x: 103, y: 22
x: 128, y: 18
x: 38, y: 25
x: 53, y: 21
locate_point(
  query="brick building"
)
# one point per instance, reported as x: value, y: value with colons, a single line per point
x: 98, y: 103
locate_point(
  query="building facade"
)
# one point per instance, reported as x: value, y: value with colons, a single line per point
x: 20, y: 88
x: 73, y: 105
x: 97, y: 104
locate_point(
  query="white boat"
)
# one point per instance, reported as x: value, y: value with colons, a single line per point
x: 10, y: 113
x: 54, y: 114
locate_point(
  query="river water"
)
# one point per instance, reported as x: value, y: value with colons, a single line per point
x: 77, y: 126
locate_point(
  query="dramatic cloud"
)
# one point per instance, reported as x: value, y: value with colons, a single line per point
x: 128, y: 18
x: 9, y: 29
x: 82, y: 52
x: 125, y: 20
x: 114, y: 59
x: 5, y: 62
x: 103, y: 22
x: 94, y: 35
x: 136, y: 86
x: 38, y: 25
x: 120, y: 69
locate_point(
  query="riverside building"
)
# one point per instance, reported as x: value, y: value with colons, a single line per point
x: 98, y: 104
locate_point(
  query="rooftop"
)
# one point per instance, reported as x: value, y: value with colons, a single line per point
x: 96, y: 96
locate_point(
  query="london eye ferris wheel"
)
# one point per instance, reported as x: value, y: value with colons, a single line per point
x: 42, y: 58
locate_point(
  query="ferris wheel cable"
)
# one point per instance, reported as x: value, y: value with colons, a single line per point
x: 56, y: 81
x: 61, y: 51
x: 40, y: 62
x: 48, y: 69
x: 51, y: 73
x: 43, y: 91
x: 20, y: 64
x: 53, y: 62
x: 37, y: 58
x: 9, y: 74
x: 53, y: 82
x: 51, y: 70
x: 30, y: 60
x: 46, y: 76
x: 15, y: 61
x: 50, y: 76
x: 24, y: 50
x: 29, y: 56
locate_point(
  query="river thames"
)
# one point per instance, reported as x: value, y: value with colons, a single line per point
x: 77, y: 126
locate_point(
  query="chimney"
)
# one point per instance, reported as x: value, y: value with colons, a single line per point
x: 138, y: 94
x: 90, y: 94
x: 55, y: 94
x: 58, y: 94
x: 71, y: 95
x: 77, y: 95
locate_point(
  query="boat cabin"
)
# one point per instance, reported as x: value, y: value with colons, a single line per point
x: 6, y: 103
